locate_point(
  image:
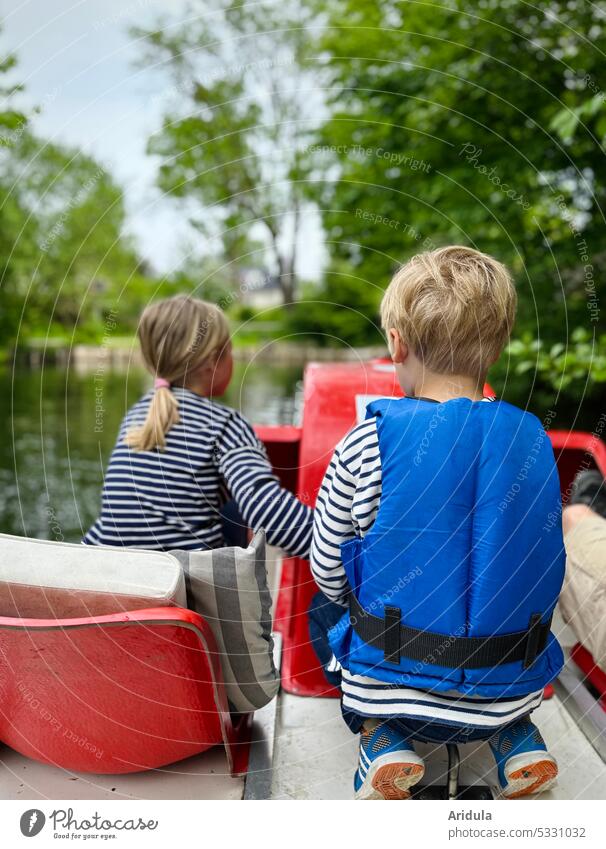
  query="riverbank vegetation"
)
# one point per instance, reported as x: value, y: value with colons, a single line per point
x: 410, y: 127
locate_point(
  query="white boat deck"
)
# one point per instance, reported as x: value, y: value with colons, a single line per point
x: 316, y: 755
x: 205, y: 776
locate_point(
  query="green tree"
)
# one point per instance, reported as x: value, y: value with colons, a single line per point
x: 71, y: 260
x: 343, y: 310
x: 235, y: 128
x: 66, y: 264
x: 459, y: 123
x: 12, y: 125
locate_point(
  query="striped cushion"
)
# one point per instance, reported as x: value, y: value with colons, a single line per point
x: 228, y: 587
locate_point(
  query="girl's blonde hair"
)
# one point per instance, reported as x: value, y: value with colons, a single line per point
x: 177, y: 336
x: 455, y: 307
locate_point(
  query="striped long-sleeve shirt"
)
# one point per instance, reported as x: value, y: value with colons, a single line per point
x: 171, y: 499
x: 347, y: 506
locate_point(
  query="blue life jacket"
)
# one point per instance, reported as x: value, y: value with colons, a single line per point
x: 454, y: 585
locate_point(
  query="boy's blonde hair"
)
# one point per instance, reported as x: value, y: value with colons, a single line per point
x: 455, y: 308
x: 177, y: 336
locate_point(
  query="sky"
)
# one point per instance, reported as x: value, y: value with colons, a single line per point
x: 77, y: 61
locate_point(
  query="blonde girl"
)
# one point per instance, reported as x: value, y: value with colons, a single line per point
x: 181, y: 457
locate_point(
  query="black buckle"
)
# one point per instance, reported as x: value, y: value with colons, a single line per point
x: 392, y: 633
x: 532, y: 642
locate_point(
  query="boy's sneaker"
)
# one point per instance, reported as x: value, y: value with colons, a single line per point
x: 388, y: 765
x: 589, y: 488
x: 525, y: 766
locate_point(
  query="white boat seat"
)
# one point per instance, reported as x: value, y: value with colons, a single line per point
x: 41, y: 579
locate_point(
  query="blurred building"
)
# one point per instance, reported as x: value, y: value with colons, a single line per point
x: 259, y: 289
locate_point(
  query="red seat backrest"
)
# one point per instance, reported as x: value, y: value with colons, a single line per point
x: 329, y: 411
x: 575, y: 450
x: 112, y: 694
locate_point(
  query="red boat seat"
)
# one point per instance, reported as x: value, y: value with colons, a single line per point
x: 333, y: 396
x: 115, y: 694
x: 101, y: 670
x: 40, y: 579
x: 575, y: 450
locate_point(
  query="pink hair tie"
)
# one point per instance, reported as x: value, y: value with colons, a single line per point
x: 160, y: 383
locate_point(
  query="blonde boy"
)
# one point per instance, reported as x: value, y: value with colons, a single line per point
x: 450, y: 599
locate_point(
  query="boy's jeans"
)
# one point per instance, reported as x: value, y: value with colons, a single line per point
x: 323, y: 615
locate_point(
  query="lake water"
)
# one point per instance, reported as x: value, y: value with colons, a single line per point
x: 59, y: 428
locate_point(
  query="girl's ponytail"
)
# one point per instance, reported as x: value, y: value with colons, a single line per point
x: 177, y: 336
x: 162, y: 414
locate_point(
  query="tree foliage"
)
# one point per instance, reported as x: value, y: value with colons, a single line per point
x: 237, y: 116
x: 12, y: 124
x: 66, y: 264
x: 480, y: 124
x: 69, y: 262
x: 341, y: 312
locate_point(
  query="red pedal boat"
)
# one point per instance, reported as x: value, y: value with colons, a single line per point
x: 135, y: 690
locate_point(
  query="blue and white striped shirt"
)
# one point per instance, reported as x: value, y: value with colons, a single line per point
x: 171, y: 499
x: 347, y: 506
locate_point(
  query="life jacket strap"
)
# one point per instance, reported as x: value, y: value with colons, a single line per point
x: 395, y: 640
